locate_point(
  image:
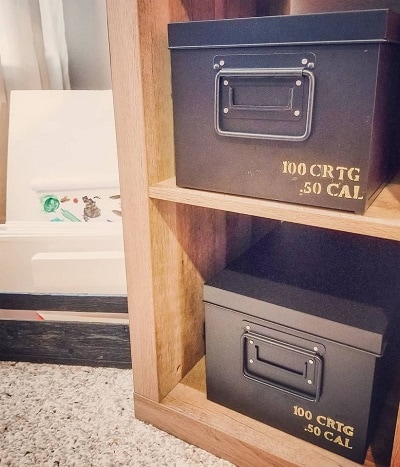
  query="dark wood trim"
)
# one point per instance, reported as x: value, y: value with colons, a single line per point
x: 59, y: 302
x: 93, y: 344
x: 72, y: 343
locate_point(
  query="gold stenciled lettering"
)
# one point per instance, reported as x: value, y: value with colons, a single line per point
x: 322, y: 170
x: 339, y: 179
x: 341, y: 171
x: 344, y: 191
x: 354, y: 177
x: 348, y: 430
x: 332, y: 430
x: 315, y: 170
x: 328, y: 171
x: 332, y: 189
x: 335, y: 425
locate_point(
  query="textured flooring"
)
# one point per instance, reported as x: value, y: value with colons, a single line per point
x: 55, y: 415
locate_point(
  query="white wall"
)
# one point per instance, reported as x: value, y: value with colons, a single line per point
x: 52, y: 257
x: 87, y: 42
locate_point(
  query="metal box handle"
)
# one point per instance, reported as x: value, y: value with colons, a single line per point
x: 280, y: 108
x: 283, y: 366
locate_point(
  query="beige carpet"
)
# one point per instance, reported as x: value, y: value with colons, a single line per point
x: 55, y: 415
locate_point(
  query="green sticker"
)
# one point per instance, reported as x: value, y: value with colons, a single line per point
x: 50, y: 203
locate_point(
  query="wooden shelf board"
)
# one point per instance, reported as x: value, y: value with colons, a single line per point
x: 382, y: 219
x: 187, y: 414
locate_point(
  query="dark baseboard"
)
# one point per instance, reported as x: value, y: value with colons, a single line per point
x: 61, y: 302
x: 72, y: 343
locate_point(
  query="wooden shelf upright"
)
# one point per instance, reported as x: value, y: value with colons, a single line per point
x: 176, y: 238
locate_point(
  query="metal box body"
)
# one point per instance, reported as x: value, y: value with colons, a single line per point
x: 298, y: 344
x: 299, y: 109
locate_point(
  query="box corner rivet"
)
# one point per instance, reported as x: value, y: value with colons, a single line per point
x: 251, y: 342
x: 226, y: 82
x: 251, y: 360
x: 226, y: 110
x: 304, y: 61
x: 309, y: 381
x: 222, y: 62
x: 315, y: 349
x: 298, y: 82
x: 248, y: 328
x: 311, y: 362
x: 297, y: 113
x: 216, y: 66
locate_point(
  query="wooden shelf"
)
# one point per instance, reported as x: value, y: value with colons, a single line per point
x: 382, y: 219
x: 187, y: 414
x: 177, y: 238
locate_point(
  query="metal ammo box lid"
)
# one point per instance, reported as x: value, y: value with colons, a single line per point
x: 334, y: 285
x: 335, y: 27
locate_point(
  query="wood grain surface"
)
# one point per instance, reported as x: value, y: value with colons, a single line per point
x: 176, y: 238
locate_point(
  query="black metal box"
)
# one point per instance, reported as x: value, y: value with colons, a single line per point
x: 300, y: 109
x: 299, y: 334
